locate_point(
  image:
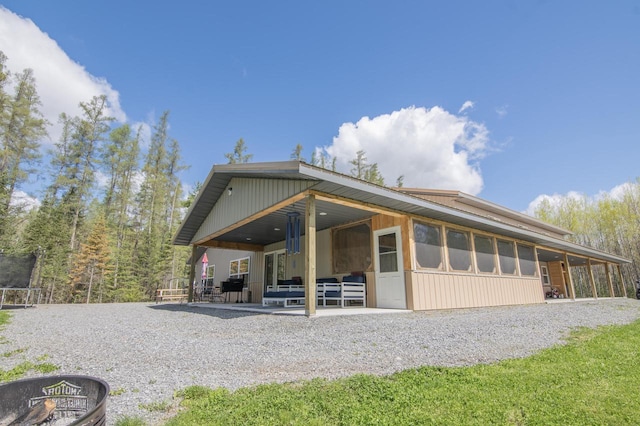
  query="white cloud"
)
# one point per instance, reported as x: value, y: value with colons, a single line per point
x: 465, y: 106
x: 616, y: 193
x: 62, y: 83
x: 145, y: 132
x: 24, y: 201
x: 554, y: 201
x: 502, y: 111
x: 431, y: 148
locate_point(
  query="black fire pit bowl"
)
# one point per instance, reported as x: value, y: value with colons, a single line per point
x: 79, y: 400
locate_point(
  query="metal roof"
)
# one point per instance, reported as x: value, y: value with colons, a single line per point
x: 262, y: 231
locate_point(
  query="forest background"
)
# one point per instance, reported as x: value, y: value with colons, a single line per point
x: 108, y: 212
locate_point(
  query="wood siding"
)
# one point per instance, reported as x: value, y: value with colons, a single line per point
x: 448, y: 291
x: 249, y: 196
x: 385, y: 221
x: 556, y: 275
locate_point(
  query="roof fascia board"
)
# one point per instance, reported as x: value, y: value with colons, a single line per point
x: 399, y: 196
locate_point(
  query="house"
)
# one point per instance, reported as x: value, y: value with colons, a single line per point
x: 419, y: 249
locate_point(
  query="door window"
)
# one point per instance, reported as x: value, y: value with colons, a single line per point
x: 388, y: 252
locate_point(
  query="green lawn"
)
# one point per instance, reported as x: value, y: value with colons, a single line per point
x: 592, y: 380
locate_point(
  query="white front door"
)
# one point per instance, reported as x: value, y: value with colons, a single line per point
x: 390, y: 292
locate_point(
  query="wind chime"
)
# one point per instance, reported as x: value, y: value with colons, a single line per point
x: 293, y: 233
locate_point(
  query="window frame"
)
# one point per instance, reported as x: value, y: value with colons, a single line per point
x: 349, y: 268
x: 469, y: 250
x: 515, y: 257
x: 239, y: 271
x: 533, y: 260
x: 441, y: 266
x: 492, y: 241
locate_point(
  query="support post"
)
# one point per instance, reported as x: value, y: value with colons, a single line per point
x: 609, y: 281
x: 591, y: 280
x: 192, y: 272
x: 624, y: 287
x: 310, y: 293
x: 567, y: 277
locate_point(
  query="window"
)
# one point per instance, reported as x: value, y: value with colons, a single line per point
x: 274, y: 267
x: 485, y: 254
x: 545, y: 275
x: 459, y: 250
x: 351, y: 248
x: 507, y: 256
x: 239, y: 267
x: 211, y: 272
x: 428, y: 245
x: 527, y: 260
x: 388, y: 252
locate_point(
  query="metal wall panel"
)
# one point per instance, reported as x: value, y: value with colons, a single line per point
x: 451, y: 291
x: 248, y: 197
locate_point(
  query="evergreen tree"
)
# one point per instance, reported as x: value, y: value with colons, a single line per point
x: 22, y: 128
x: 238, y: 155
x: 158, y: 215
x: 120, y: 161
x: 362, y: 170
x: 91, y: 262
x: 297, y: 153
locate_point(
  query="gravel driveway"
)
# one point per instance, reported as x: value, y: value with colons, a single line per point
x: 146, y: 352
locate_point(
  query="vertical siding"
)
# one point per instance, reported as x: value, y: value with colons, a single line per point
x: 384, y: 221
x: 556, y: 275
x: 221, y: 258
x: 249, y: 197
x: 449, y: 291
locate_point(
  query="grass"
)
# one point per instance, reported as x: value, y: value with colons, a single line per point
x: 23, y: 368
x: 592, y: 380
x: 130, y: 421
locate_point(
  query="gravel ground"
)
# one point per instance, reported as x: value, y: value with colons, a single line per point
x: 146, y: 352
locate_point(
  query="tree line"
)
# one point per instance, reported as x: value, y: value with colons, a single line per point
x: 607, y: 223
x: 97, y: 243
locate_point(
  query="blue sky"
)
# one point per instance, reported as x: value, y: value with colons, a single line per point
x: 506, y: 100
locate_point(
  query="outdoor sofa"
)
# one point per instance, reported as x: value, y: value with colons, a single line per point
x: 291, y: 292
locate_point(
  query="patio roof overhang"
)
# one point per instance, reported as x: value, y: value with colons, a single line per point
x: 342, y: 199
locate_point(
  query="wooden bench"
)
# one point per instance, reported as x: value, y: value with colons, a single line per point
x: 172, y: 295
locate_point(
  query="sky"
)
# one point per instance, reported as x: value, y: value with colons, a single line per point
x: 511, y: 101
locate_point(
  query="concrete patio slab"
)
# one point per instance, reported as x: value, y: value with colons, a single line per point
x: 279, y: 310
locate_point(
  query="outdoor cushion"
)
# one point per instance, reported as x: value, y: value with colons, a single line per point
x: 327, y: 280
x: 289, y: 282
x: 283, y: 294
x: 353, y: 279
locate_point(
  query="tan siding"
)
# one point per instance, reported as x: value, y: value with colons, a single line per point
x: 249, y: 197
x: 448, y: 291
